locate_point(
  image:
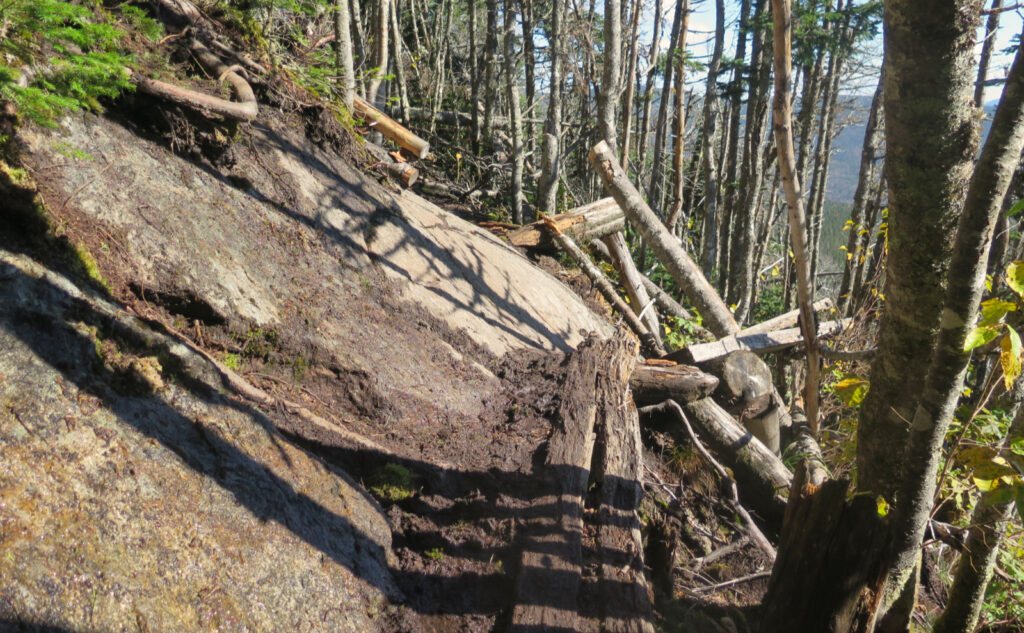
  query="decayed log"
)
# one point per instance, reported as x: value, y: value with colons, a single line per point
x: 244, y: 109
x: 547, y: 592
x: 746, y: 391
x: 595, y: 219
x: 403, y: 173
x: 764, y: 343
x: 830, y: 549
x: 391, y: 128
x: 652, y: 384
x: 625, y: 593
x: 786, y: 320
x: 806, y: 449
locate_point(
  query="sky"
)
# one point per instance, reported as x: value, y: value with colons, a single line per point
x: 702, y: 27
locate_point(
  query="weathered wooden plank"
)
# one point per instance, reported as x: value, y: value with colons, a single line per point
x: 785, y: 320
x: 759, y: 343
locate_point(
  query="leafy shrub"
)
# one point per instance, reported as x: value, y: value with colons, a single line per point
x: 67, y: 54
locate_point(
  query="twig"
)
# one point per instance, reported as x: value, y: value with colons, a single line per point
x: 721, y: 552
x: 84, y: 185
x: 755, y: 532
x: 733, y: 582
x: 847, y: 355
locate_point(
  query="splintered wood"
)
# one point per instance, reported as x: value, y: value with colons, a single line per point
x: 549, y: 595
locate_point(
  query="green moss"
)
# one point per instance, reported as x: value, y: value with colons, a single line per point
x: 232, y: 361
x: 86, y: 265
x: 393, y: 483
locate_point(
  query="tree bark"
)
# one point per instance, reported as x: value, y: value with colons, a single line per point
x: 645, y: 120
x: 991, y: 26
x: 966, y: 283
x: 679, y: 120
x: 630, y: 278
x: 630, y: 84
x: 490, y: 75
x: 711, y: 189
x: 343, y: 52
x: 930, y: 142
x: 783, y: 113
x: 380, y: 51
x: 547, y: 191
x: 608, y: 97
x: 515, y: 114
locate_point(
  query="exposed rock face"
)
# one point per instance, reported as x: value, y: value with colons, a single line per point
x: 134, y: 496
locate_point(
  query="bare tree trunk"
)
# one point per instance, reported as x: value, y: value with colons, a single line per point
x: 490, y: 75
x: 515, y: 114
x: 398, y: 44
x: 991, y: 26
x: 529, y: 65
x: 645, y: 120
x: 741, y: 250
x: 679, y: 121
x: 474, y: 81
x: 928, y: 113
x: 716, y: 315
x: 361, y: 43
x: 857, y: 240
x: 343, y: 52
x: 608, y: 96
x: 978, y: 560
x: 380, y: 51
x: 783, y: 113
x: 655, y: 187
x: 551, y: 165
x: 711, y: 190
x: 630, y: 83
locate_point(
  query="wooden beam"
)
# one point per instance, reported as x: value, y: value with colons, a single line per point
x: 759, y: 343
x: 786, y: 320
x: 390, y: 128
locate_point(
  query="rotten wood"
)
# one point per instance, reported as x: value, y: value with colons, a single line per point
x: 652, y: 384
x: 830, y: 549
x: 624, y: 589
x: 592, y: 220
x: 764, y: 343
x: 547, y: 590
x: 390, y: 128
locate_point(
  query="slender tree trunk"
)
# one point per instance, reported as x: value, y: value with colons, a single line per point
x: 529, y: 64
x: 608, y: 96
x: 490, y: 75
x: 645, y: 121
x: 867, y: 268
x: 856, y: 242
x: 679, y: 120
x: 655, y: 189
x: 991, y: 26
x: 978, y: 561
x: 361, y: 44
x: 783, y: 113
x: 515, y: 114
x: 711, y: 189
x: 474, y: 81
x: 398, y: 44
x: 343, y: 52
x: 630, y: 84
x: 380, y: 51
x: 731, y: 158
x: 741, y: 284
x: 551, y: 165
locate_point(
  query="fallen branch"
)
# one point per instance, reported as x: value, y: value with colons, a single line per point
x: 607, y: 290
x: 732, y: 583
x: 750, y: 527
x: 589, y: 221
x: 785, y: 320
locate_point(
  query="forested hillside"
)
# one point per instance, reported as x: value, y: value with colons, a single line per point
x: 503, y: 315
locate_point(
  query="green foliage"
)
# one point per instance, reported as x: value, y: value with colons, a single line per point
x: 435, y: 554
x: 393, y: 483
x: 770, y: 301
x: 680, y: 333
x: 1004, y: 599
x: 71, y: 50
x: 992, y: 324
